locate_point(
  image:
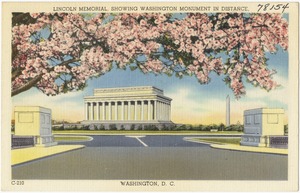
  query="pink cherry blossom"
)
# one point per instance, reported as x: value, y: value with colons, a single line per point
x: 80, y: 48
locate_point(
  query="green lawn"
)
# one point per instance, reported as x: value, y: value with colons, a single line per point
x: 71, y: 138
x: 235, y: 141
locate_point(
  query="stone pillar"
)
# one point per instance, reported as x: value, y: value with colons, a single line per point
x: 135, y: 110
x: 142, y: 113
x: 159, y: 110
x: 116, y: 110
x: 123, y: 112
x: 260, y: 124
x: 149, y: 110
x: 169, y: 118
x: 167, y: 111
x: 35, y: 121
x: 129, y: 110
x: 155, y: 109
x: 164, y: 111
x: 109, y: 110
x: 103, y: 111
x: 86, y: 110
x: 97, y: 106
x: 92, y: 111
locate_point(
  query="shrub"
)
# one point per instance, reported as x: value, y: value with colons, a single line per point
x: 112, y: 127
x: 189, y: 127
x: 92, y: 127
x: 86, y: 127
x: 286, y: 129
x: 150, y: 128
x: 12, y: 128
x: 132, y: 127
x: 122, y: 127
x: 164, y: 128
x: 221, y: 127
x: 101, y: 127
x: 236, y: 127
x: 140, y: 127
x: 181, y: 127
x: 172, y: 127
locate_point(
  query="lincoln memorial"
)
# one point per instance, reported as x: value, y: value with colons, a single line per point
x: 127, y: 105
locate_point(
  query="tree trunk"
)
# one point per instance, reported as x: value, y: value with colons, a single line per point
x: 27, y: 86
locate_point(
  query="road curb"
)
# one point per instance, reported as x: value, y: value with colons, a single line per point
x: 76, y: 141
x: 203, y: 142
x: 217, y: 146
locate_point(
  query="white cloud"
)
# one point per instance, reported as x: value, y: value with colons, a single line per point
x: 277, y: 95
x: 194, y: 110
x: 206, y: 109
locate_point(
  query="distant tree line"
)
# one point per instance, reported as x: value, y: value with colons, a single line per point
x: 163, y: 127
x: 174, y: 127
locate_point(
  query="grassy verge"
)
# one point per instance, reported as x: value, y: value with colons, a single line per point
x: 235, y: 141
x: 107, y: 132
x: 70, y: 138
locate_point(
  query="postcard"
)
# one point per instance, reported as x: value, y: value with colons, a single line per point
x: 150, y: 96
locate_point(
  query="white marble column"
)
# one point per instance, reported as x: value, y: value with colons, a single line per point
x: 135, y: 110
x: 129, y: 110
x: 92, y: 111
x: 169, y: 118
x: 155, y: 109
x: 165, y: 111
x: 159, y: 110
x: 162, y: 111
x: 116, y: 110
x: 86, y: 110
x: 123, y: 112
x: 142, y: 113
x: 103, y: 111
x: 149, y: 110
x: 109, y: 110
x: 97, y: 114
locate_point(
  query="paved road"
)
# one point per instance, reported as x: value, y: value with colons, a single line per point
x: 175, y: 159
x: 132, y: 141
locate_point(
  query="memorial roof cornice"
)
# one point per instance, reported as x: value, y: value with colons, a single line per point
x: 128, y: 93
x: 128, y: 97
x: 128, y: 89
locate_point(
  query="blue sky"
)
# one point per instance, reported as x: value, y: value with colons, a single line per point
x: 192, y: 103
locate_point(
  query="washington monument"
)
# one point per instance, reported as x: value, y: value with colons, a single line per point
x: 227, y: 111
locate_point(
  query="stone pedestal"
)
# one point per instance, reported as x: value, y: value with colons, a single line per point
x: 34, y: 121
x: 260, y: 124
